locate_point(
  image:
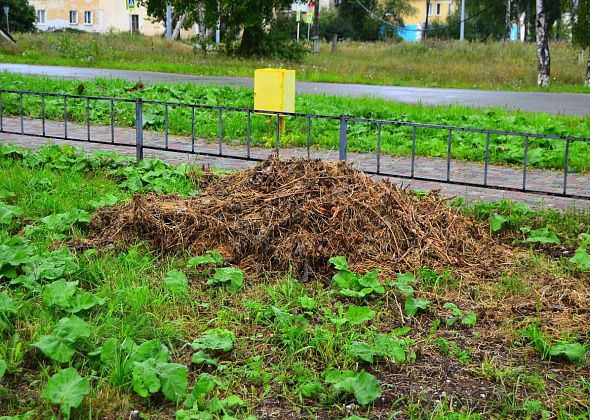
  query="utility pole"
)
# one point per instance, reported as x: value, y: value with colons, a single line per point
x: 168, y: 21
x: 462, y: 31
x: 425, y: 31
x: 316, y: 27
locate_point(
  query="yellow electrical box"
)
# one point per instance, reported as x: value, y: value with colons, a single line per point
x: 274, y: 90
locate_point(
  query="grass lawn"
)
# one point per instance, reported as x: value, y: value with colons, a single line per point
x: 325, y: 133
x: 100, y: 332
x: 493, y: 65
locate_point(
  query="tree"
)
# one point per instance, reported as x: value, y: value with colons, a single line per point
x: 365, y: 20
x: 581, y: 31
x: 184, y: 13
x: 543, y: 54
x: 21, y: 16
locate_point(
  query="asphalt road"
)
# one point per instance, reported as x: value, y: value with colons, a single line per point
x: 553, y: 103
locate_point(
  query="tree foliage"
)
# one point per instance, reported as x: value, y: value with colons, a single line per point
x: 581, y: 27
x: 366, y: 20
x: 21, y: 16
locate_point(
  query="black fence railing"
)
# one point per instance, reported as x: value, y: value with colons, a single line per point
x: 380, y: 147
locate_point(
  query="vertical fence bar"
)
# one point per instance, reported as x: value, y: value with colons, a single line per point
x: 525, y: 162
x: 65, y: 116
x: 249, y: 134
x: 566, y: 165
x: 22, y: 121
x: 112, y: 121
x: 278, y: 142
x: 378, y: 147
x: 220, y: 131
x: 308, y: 144
x: 43, y: 114
x: 88, y: 118
x: 486, y: 159
x: 449, y: 150
x: 413, y: 169
x: 166, y: 125
x: 139, y: 129
x: 343, y: 137
x: 193, y: 129
x: 1, y: 114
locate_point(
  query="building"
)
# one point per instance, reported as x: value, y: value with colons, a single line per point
x: 438, y: 11
x: 96, y: 16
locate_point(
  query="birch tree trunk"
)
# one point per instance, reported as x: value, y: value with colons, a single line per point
x: 588, y: 70
x: 178, y: 27
x: 507, y: 22
x: 543, y: 55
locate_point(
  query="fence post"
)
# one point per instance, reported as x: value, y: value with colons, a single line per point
x: 139, y: 129
x: 343, y: 137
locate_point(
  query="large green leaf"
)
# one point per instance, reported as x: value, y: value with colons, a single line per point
x: 542, y: 236
x: 176, y: 282
x: 497, y: 222
x: 152, y: 349
x: 363, y: 385
x: 174, y: 380
x: 412, y: 305
x: 8, y: 213
x: 203, y: 387
x: 366, y: 388
x: 59, y: 345
x: 52, y: 265
x: 3, y: 368
x: 232, y: 278
x: 59, y: 293
x: 574, y: 352
x: 356, y: 315
x: 210, y: 257
x: 581, y: 258
x: 66, y: 388
x: 145, y: 378
x: 219, y: 340
x: 339, y: 263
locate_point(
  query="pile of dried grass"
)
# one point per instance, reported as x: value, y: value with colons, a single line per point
x: 299, y: 213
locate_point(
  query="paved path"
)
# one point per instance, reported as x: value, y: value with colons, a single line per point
x: 426, y: 167
x: 553, y: 103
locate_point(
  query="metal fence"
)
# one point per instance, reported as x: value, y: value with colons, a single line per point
x: 354, y: 137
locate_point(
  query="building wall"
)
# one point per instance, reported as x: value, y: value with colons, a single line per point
x: 107, y: 15
x: 440, y: 10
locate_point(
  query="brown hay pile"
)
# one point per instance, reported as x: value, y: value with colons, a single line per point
x: 299, y: 213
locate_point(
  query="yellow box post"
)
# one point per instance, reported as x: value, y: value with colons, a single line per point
x: 274, y: 90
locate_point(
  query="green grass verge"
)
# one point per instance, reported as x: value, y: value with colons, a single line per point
x: 148, y: 330
x: 492, y: 65
x: 396, y: 140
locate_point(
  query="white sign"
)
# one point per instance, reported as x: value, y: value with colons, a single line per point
x: 301, y: 7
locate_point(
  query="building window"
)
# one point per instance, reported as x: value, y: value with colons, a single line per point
x: 450, y: 9
x: 429, y: 9
x: 88, y: 17
x: 438, y: 9
x: 73, y: 17
x: 41, y: 17
x: 135, y: 24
